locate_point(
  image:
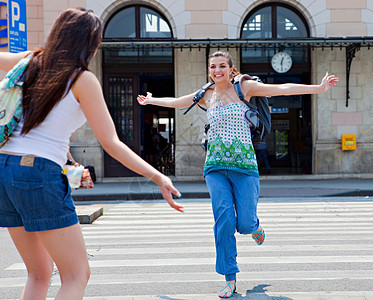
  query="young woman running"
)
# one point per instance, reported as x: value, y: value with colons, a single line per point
x: 231, y: 170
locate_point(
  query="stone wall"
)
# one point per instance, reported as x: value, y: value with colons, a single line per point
x: 52, y: 9
x: 331, y: 117
x: 35, y: 25
x: 190, y: 75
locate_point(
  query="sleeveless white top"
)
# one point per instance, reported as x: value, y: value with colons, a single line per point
x: 51, y: 138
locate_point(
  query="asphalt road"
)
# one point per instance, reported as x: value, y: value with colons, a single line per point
x: 315, y: 248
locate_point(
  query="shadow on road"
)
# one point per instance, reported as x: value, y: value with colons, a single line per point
x: 259, y: 293
x: 168, y: 298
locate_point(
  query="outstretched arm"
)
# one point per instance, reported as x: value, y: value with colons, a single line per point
x: 254, y: 88
x: 88, y: 92
x: 8, y: 60
x: 183, y: 101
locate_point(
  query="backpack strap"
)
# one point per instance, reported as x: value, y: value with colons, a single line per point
x: 199, y: 95
x: 237, y: 87
x: 15, y: 75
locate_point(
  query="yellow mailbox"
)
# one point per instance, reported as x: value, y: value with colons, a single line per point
x: 348, y: 141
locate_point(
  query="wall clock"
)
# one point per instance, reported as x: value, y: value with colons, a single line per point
x: 281, y: 62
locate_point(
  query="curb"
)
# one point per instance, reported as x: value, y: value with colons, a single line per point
x: 198, y: 195
x: 88, y: 214
x: 356, y: 193
x: 137, y: 196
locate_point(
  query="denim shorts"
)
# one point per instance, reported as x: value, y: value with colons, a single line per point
x: 35, y: 194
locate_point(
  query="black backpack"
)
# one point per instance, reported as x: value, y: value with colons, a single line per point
x: 258, y: 113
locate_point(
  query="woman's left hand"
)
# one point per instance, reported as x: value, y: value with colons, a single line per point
x: 167, y: 189
x: 328, y: 82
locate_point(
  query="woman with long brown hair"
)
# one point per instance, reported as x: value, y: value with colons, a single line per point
x: 231, y: 170
x: 60, y: 94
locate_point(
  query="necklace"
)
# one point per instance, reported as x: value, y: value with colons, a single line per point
x: 216, y: 96
x: 215, y: 101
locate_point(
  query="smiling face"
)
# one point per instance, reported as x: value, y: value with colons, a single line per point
x: 219, y: 69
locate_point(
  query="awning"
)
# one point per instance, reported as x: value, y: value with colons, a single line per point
x: 242, y: 43
x: 351, y: 45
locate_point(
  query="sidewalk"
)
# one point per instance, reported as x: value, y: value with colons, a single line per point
x: 271, y: 186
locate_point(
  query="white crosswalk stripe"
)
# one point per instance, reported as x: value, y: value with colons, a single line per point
x: 313, y: 250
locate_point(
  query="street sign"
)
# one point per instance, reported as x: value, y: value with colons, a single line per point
x: 17, y: 31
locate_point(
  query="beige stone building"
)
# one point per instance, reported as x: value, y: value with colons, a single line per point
x: 163, y: 47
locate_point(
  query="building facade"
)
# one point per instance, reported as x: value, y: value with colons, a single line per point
x: 163, y: 47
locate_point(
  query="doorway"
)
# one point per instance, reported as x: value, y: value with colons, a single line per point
x: 289, y: 143
x: 147, y: 130
x: 158, y: 123
x: 129, y: 71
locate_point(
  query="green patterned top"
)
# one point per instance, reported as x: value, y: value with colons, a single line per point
x: 229, y: 140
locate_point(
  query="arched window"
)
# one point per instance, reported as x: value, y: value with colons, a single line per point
x: 274, y: 21
x: 136, y: 23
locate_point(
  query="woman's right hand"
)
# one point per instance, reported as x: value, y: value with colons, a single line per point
x: 144, y: 100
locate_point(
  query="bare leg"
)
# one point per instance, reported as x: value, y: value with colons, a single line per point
x: 66, y: 247
x: 38, y: 262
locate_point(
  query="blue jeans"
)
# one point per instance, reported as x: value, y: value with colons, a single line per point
x: 234, y: 197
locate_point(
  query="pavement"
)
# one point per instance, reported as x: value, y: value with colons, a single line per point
x: 273, y: 187
x: 315, y: 249
x: 139, y: 188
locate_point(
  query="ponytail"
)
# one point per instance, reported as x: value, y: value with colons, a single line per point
x: 234, y: 73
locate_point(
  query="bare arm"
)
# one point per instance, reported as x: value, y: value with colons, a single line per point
x: 183, y: 101
x: 254, y: 88
x: 73, y: 161
x: 88, y: 92
x: 8, y: 60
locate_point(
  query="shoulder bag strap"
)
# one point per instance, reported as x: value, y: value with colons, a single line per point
x: 198, y: 96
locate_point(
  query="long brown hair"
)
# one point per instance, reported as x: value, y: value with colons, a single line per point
x: 72, y: 43
x: 230, y: 61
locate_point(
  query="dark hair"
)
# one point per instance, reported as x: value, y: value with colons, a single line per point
x: 230, y: 61
x: 71, y: 44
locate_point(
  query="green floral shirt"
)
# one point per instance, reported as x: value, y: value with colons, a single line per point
x: 229, y: 140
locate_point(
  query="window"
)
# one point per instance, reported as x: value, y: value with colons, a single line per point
x: 258, y: 25
x: 152, y: 24
x: 274, y: 21
x: 136, y: 23
x: 122, y: 25
x: 290, y: 24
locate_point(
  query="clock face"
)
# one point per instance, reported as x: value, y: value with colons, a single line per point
x: 281, y: 62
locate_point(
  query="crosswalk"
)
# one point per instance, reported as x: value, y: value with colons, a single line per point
x: 138, y: 250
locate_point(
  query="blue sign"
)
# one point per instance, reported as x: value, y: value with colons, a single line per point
x: 276, y: 110
x: 17, y: 31
x: 4, y: 31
